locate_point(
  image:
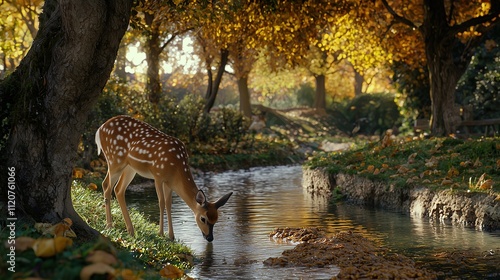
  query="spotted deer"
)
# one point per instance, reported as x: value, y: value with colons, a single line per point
x: 131, y: 147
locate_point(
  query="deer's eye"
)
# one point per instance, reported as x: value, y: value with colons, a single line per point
x: 203, y: 220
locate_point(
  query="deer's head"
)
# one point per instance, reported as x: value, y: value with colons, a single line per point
x: 206, y: 213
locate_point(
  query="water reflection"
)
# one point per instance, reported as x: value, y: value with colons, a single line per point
x: 265, y: 198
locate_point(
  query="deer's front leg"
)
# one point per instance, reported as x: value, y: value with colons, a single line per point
x: 161, y: 202
x: 168, y: 205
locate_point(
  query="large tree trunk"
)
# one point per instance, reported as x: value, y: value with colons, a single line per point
x: 320, y: 98
x: 50, y: 95
x: 447, y: 61
x: 245, y: 105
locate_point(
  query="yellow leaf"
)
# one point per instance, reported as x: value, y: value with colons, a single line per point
x: 48, y: 247
x: 59, y: 229
x: 170, y: 271
x: 99, y: 256
x: 96, y: 268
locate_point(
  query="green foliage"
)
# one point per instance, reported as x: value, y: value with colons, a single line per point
x: 480, y: 85
x: 305, y: 95
x: 413, y: 92
x: 374, y: 113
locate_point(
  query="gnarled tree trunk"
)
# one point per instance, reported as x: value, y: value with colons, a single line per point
x: 50, y: 95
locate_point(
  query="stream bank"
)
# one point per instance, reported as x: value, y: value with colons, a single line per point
x: 475, y: 209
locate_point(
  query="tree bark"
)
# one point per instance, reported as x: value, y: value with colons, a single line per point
x: 153, y: 51
x: 245, y: 104
x: 358, y: 83
x: 50, y: 95
x: 320, y: 98
x: 213, y: 86
x: 447, y: 61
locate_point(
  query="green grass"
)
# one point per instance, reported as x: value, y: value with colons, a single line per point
x: 147, y: 245
x: 438, y: 163
x: 143, y: 255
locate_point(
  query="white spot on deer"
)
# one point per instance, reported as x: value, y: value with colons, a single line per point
x: 119, y: 128
x: 162, y: 166
x: 118, y: 160
x: 119, y: 137
x: 171, y: 149
x: 178, y: 156
x: 150, y: 156
x: 120, y: 153
x: 114, y: 141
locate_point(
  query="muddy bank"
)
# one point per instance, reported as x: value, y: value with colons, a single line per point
x: 355, y: 256
x: 476, y: 210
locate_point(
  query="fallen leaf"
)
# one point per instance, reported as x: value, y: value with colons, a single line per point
x: 92, y: 186
x: 453, y: 172
x: 62, y: 228
x: 95, y: 268
x: 411, y: 158
x: 48, y: 247
x: 370, y: 168
x: 129, y: 274
x: 446, y: 182
x: 486, y: 185
x: 170, y: 271
x: 99, y: 256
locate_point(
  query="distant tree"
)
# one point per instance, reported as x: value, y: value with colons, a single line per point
x: 445, y: 34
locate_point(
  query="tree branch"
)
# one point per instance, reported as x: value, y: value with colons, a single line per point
x: 466, y: 25
x: 398, y: 17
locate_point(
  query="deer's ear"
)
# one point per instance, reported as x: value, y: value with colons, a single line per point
x: 200, y: 197
x: 222, y: 200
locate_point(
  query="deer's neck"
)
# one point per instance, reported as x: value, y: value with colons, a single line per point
x: 186, y: 188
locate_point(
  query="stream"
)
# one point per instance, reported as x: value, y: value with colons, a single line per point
x: 268, y: 197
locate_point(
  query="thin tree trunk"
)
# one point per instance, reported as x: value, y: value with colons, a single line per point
x: 153, y: 51
x: 214, y: 89
x: 245, y: 105
x: 50, y: 95
x: 358, y: 83
x: 320, y: 98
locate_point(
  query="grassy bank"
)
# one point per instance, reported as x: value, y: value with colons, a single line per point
x: 145, y: 256
x: 437, y: 163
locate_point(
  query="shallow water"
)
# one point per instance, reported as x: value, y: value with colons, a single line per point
x: 265, y: 198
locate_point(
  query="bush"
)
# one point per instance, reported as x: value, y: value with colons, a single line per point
x: 374, y: 113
